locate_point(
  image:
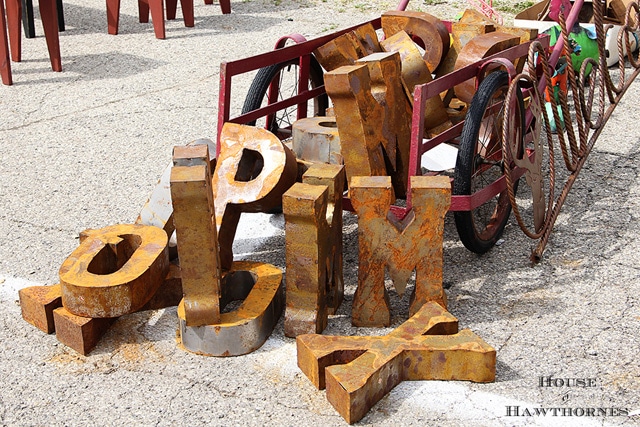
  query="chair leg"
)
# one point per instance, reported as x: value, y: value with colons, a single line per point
x: 28, y: 22
x: 113, y: 16
x: 14, y: 14
x: 143, y: 11
x: 172, y: 5
x: 208, y: 1
x: 187, y: 12
x: 60, y: 15
x: 225, y: 5
x: 27, y: 19
x: 157, y: 16
x: 50, y: 24
x: 5, y: 64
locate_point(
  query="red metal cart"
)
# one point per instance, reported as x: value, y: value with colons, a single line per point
x: 506, y: 132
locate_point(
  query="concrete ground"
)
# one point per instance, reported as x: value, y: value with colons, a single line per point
x: 84, y: 148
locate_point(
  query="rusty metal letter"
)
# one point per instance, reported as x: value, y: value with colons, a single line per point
x: 194, y: 219
x: 413, y: 243
x: 395, y: 123
x: 430, y: 30
x: 245, y: 329
x: 416, y: 72
x: 253, y: 171
x: 347, y: 48
x: 359, y: 371
x: 373, y: 117
x: 114, y: 271
x: 37, y: 304
x: 313, y: 215
x: 350, y: 90
x: 470, y: 25
x: 316, y: 139
x: 203, y: 326
x: 480, y: 47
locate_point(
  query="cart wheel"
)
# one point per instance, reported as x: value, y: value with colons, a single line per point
x: 479, y: 164
x: 285, y: 76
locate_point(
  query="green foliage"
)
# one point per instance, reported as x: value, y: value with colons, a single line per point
x: 512, y: 8
x: 329, y: 28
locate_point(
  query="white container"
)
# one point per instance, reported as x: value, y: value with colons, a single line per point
x: 611, y: 44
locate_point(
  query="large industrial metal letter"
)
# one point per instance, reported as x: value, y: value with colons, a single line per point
x: 313, y: 214
x: 413, y: 243
x: 373, y: 117
x: 115, y: 270
x: 359, y: 371
x: 203, y: 326
x: 416, y: 72
x: 350, y: 90
x: 347, y: 48
x: 253, y: 171
x: 430, y: 30
x: 246, y: 328
x: 395, y: 123
x: 480, y: 47
x: 196, y: 231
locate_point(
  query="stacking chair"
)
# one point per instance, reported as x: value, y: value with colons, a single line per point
x: 156, y: 7
x: 27, y: 18
x: 225, y: 6
x: 5, y: 62
x: 49, y: 18
x: 157, y: 13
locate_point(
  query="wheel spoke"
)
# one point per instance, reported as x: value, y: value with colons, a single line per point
x: 286, y: 77
x: 480, y: 164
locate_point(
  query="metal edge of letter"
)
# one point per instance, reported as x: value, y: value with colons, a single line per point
x: 124, y: 290
x: 245, y: 329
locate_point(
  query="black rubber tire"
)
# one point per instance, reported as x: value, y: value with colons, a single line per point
x: 258, y: 92
x: 478, y: 165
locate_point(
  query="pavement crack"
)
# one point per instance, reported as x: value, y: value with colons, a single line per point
x: 222, y: 392
x: 105, y: 104
x: 173, y: 398
x: 504, y: 343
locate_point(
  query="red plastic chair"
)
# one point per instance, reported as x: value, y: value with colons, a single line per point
x: 5, y: 63
x: 49, y: 16
x: 156, y: 7
x: 27, y: 18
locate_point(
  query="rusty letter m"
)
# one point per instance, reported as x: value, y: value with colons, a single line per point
x: 402, y: 246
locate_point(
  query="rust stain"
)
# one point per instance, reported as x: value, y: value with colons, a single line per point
x: 313, y: 232
x: 401, y: 246
x: 359, y: 371
x: 114, y: 271
x: 251, y: 175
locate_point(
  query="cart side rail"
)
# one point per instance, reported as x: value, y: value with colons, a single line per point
x: 421, y: 93
x: 301, y: 50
